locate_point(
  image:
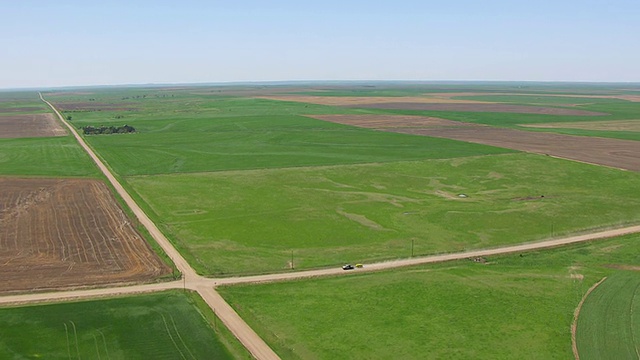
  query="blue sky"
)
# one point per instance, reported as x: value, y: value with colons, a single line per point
x: 67, y: 43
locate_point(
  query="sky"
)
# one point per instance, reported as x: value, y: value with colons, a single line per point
x: 76, y: 43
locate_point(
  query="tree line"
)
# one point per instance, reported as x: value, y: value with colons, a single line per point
x: 92, y: 130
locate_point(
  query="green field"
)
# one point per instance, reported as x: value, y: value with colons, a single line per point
x: 12, y: 101
x: 609, y: 322
x: 168, y: 325
x: 252, y: 221
x: 199, y: 134
x: 512, y: 307
x: 48, y: 156
x: 324, y: 193
x: 244, y: 185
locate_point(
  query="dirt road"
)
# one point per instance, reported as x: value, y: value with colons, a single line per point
x: 229, y: 317
x: 206, y: 287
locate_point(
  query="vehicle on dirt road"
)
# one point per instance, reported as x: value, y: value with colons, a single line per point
x: 348, y: 267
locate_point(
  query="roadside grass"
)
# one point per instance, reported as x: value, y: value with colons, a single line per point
x: 511, y: 307
x: 48, y: 156
x: 168, y: 325
x: 257, y: 221
x: 609, y: 324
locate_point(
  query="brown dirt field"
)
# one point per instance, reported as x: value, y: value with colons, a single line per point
x: 20, y: 109
x: 65, y: 233
x: 91, y: 106
x: 621, y: 154
x: 478, y: 107
x: 382, y: 122
x: 30, y: 125
x: 633, y: 98
x: 615, y: 125
x: 357, y: 101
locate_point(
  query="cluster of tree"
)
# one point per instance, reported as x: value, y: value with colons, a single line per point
x: 134, y: 97
x: 92, y: 130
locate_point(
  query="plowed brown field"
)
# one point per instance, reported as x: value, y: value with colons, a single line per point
x: 30, y: 125
x: 365, y: 100
x: 621, y: 154
x: 19, y: 109
x: 62, y: 233
x: 403, y: 104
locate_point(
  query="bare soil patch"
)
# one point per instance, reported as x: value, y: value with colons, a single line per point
x: 92, y: 106
x: 359, y: 101
x: 390, y: 121
x: 20, y: 109
x: 478, y: 107
x: 616, y: 125
x: 633, y: 98
x: 623, y: 267
x: 62, y: 233
x: 621, y: 154
x: 30, y: 125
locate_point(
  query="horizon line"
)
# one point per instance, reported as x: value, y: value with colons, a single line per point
x: 311, y: 82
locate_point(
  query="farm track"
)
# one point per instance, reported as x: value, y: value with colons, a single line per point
x: 206, y: 287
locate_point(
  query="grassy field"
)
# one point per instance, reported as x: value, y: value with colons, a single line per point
x: 49, y: 156
x: 512, y: 307
x: 169, y: 325
x: 252, y: 221
x: 609, y: 324
x: 11, y: 103
x: 215, y: 134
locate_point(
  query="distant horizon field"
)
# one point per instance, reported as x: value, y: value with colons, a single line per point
x: 166, y: 325
x: 516, y: 306
x: 240, y: 134
x: 229, y: 223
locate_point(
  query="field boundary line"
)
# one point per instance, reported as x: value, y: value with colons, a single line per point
x: 576, y: 314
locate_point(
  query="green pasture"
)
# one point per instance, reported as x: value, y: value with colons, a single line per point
x: 517, y: 306
x: 609, y: 324
x: 11, y: 101
x: 234, y: 134
x: 46, y: 156
x: 169, y: 325
x: 256, y: 221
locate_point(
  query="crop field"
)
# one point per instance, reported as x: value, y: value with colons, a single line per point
x: 255, y: 180
x: 50, y: 156
x: 66, y: 233
x: 609, y: 324
x: 252, y: 221
x: 200, y: 134
x: 167, y: 325
x: 30, y: 125
x: 16, y: 102
x: 608, y: 152
x: 255, y: 185
x: 512, y: 307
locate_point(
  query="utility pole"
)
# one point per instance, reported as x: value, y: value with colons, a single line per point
x: 292, y: 267
x: 412, y: 247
